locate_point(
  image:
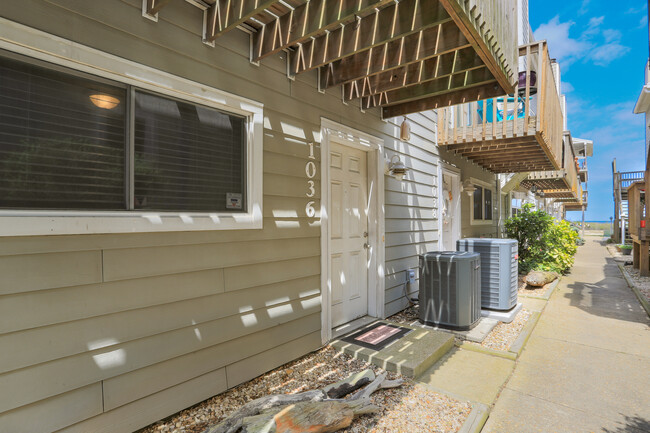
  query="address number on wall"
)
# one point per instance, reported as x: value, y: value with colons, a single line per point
x: 310, y: 171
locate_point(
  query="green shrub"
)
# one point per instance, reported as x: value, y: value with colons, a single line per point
x: 625, y: 247
x: 544, y: 244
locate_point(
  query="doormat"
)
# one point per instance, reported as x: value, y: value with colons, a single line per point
x: 376, y: 336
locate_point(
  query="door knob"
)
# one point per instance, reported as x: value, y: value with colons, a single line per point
x: 366, y: 246
x: 365, y: 234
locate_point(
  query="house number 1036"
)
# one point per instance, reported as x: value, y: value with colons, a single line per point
x: 310, y: 171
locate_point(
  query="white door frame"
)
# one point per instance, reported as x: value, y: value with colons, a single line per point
x: 332, y: 131
x: 444, y: 168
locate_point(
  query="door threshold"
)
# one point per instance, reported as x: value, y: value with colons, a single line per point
x: 351, y: 326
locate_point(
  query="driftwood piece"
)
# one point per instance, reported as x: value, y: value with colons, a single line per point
x: 540, y: 278
x: 312, y: 417
x: 350, y: 384
x: 310, y: 411
x: 234, y: 422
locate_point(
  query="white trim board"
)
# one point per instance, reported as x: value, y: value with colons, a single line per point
x: 376, y: 261
x: 30, y: 42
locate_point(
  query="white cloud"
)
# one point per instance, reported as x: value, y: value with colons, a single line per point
x: 584, y: 7
x: 567, y: 87
x: 562, y: 46
x: 595, y: 44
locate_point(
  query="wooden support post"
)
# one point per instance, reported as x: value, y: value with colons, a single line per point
x: 644, y: 259
x: 635, y: 254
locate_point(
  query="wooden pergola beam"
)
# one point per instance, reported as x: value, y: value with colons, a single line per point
x: 413, y: 73
x: 504, y: 153
x: 429, y: 43
x: 482, y: 50
x: 306, y: 21
x: 487, y: 146
x: 225, y: 15
x: 459, y: 97
x: 461, y: 80
x: 514, y: 167
x: 385, y: 25
x: 495, y: 161
x: 152, y: 7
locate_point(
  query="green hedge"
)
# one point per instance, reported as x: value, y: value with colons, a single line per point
x: 544, y: 244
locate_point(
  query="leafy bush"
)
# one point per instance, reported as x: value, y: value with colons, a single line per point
x: 625, y: 247
x: 544, y: 244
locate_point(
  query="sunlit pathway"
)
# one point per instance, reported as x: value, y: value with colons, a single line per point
x: 586, y: 367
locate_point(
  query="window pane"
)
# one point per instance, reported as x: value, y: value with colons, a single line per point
x: 478, y: 203
x: 488, y: 203
x: 62, y: 140
x: 187, y: 157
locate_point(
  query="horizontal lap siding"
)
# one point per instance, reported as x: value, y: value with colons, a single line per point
x: 470, y: 170
x: 124, y: 329
x: 410, y: 209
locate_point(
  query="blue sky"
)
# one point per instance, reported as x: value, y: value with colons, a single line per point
x: 602, y: 50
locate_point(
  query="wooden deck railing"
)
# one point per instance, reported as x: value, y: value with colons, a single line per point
x: 494, y: 21
x: 570, y: 166
x: 533, y: 110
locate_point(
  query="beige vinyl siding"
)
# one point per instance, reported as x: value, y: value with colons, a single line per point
x: 470, y: 170
x: 410, y: 208
x: 125, y: 329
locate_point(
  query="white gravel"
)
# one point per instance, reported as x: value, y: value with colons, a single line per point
x: 410, y: 408
x: 642, y: 283
x: 504, y: 334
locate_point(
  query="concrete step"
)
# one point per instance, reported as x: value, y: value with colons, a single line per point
x: 410, y: 356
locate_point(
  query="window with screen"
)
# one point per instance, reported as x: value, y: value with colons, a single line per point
x: 187, y: 157
x: 66, y: 144
x: 62, y: 140
x: 487, y: 199
x: 478, y: 203
x: 482, y: 204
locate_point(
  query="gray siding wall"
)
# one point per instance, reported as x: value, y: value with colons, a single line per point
x: 470, y: 170
x: 107, y: 333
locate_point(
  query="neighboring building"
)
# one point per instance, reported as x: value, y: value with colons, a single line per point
x: 183, y: 209
x: 631, y: 211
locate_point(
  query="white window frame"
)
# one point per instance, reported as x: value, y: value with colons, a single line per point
x: 39, y: 45
x: 484, y: 185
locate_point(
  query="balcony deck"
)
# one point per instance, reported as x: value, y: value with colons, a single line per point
x: 565, y: 179
x: 403, y: 56
x: 528, y: 132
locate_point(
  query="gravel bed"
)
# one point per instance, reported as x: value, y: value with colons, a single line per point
x: 407, y: 316
x: 504, y: 334
x: 642, y: 283
x: 408, y: 408
x: 526, y: 290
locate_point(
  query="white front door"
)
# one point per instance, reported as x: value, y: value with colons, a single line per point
x: 348, y: 233
x: 450, y: 206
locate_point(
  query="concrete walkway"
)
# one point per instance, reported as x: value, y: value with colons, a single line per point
x: 586, y: 367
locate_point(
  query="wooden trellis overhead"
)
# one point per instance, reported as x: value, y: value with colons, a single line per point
x: 403, y: 56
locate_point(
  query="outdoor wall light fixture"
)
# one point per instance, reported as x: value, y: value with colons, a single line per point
x: 541, y: 194
x: 396, y: 168
x: 405, y: 130
x: 533, y: 189
x: 468, y: 187
x: 104, y: 101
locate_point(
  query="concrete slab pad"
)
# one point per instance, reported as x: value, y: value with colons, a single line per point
x: 503, y: 316
x: 477, y: 334
x: 410, y: 355
x: 600, y: 381
x: 519, y: 412
x: 472, y: 375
